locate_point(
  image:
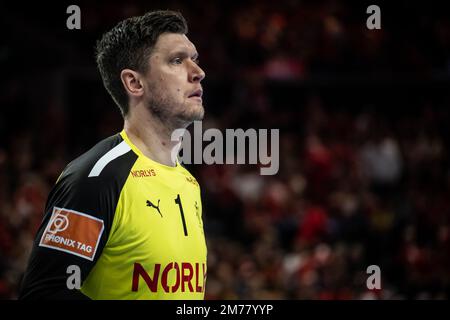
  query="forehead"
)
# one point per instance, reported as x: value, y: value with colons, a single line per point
x: 169, y: 42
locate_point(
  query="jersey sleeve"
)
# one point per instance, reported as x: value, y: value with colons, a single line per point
x: 76, y: 225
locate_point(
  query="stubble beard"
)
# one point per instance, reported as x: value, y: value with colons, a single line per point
x: 171, y: 113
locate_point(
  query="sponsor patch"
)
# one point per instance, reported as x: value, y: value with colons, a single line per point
x: 72, y: 232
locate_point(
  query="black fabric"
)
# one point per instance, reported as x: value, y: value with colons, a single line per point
x: 46, y: 273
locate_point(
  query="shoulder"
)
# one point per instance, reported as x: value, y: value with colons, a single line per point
x: 90, y: 186
x: 188, y: 176
x: 103, y: 170
x: 110, y: 159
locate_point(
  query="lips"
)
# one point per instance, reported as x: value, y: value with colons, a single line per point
x: 197, y: 93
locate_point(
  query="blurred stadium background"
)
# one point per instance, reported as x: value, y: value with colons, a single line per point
x: 364, y: 135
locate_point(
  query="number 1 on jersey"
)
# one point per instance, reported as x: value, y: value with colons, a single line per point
x: 178, y: 201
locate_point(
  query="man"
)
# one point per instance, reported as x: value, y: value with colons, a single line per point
x: 124, y: 219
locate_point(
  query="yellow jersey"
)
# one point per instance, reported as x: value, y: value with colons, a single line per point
x: 131, y: 225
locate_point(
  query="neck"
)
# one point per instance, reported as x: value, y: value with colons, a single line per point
x: 151, y: 136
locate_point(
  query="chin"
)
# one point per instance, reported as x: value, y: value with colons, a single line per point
x: 196, y: 113
x: 198, y: 116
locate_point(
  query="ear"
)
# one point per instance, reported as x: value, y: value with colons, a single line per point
x: 132, y: 82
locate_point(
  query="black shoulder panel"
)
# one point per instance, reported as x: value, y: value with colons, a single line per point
x: 95, y: 196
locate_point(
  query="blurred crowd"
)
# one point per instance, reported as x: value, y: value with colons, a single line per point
x: 354, y: 190
x: 363, y: 117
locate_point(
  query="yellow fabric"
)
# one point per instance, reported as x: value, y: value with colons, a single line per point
x: 145, y: 241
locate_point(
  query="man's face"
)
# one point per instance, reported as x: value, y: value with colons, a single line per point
x: 172, y: 83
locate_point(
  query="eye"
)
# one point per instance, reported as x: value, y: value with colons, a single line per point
x: 177, y: 61
x: 197, y: 61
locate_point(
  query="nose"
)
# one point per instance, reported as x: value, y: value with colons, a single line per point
x: 197, y: 74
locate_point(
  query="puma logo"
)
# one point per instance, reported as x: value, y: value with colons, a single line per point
x: 150, y: 204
